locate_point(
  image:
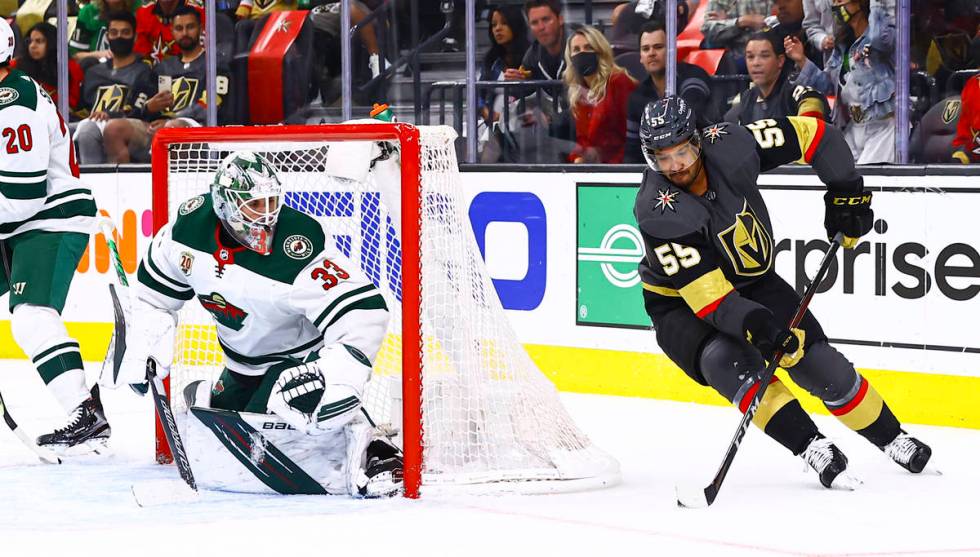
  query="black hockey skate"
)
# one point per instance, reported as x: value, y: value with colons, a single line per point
x: 829, y: 462
x: 384, y: 470
x: 908, y: 452
x: 87, y: 429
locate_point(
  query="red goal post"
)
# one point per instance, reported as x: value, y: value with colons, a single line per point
x: 408, y: 138
x: 473, y: 411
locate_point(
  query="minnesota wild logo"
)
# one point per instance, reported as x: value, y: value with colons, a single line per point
x: 224, y: 312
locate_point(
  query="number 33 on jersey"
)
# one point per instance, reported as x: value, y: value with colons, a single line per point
x: 304, y: 294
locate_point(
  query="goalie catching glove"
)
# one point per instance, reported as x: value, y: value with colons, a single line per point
x: 149, y: 333
x: 322, y: 395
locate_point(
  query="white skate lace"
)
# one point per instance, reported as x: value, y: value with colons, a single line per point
x: 901, y: 449
x: 73, y: 419
x: 818, y: 454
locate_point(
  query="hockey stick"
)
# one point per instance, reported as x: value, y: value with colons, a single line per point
x: 166, y: 416
x: 704, y: 497
x: 44, y: 454
x: 118, y: 340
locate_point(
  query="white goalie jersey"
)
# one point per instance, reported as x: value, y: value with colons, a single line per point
x: 267, y: 309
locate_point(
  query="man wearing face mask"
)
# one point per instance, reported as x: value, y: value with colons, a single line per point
x: 181, y: 100
x: 861, y: 74
x: 116, y: 88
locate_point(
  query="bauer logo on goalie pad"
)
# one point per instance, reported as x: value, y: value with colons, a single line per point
x: 186, y: 262
x: 298, y: 246
x: 191, y: 205
x: 8, y: 95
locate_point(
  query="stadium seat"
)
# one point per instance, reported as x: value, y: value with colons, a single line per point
x: 631, y: 61
x: 690, y: 38
x: 709, y: 59
x: 932, y: 140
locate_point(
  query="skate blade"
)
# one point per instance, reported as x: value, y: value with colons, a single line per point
x: 846, y: 482
x: 85, y: 448
x: 153, y: 493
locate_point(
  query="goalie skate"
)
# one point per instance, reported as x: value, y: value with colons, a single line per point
x: 87, y: 430
x: 384, y: 471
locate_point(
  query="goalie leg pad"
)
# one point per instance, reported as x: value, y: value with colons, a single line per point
x: 41, y: 334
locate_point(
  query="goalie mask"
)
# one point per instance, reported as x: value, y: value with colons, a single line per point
x: 247, y: 198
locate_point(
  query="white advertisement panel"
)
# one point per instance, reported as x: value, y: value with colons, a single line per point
x: 903, y: 300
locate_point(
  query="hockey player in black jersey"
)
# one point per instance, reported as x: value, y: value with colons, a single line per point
x: 717, y: 304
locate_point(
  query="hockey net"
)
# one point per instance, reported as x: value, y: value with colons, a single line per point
x: 470, y: 406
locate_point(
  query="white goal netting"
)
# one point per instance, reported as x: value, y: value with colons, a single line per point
x: 489, y: 417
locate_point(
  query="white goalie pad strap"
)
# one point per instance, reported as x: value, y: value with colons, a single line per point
x: 150, y: 332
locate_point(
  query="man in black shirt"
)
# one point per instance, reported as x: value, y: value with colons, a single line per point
x: 772, y: 94
x: 692, y: 86
x: 118, y: 88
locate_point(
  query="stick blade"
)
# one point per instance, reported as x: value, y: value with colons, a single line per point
x: 690, y: 497
x: 152, y: 493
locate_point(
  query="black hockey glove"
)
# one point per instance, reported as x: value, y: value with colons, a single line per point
x: 765, y: 334
x: 849, y: 213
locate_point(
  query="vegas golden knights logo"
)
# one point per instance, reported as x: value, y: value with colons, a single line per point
x: 185, y: 92
x: 110, y: 98
x: 263, y: 4
x: 747, y: 243
x: 950, y: 111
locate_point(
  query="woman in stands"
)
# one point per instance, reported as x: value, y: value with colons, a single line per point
x: 40, y: 61
x: 508, y: 40
x: 597, y: 92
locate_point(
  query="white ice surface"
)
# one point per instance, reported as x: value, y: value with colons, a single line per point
x: 768, y: 506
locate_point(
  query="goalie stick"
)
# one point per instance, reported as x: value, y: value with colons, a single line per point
x: 698, y: 498
x: 117, y: 343
x: 166, y: 416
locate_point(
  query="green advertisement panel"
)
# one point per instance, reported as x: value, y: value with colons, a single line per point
x: 609, y: 249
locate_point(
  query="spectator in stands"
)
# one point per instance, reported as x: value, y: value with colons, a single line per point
x: 597, y: 93
x: 729, y: 23
x: 966, y: 144
x: 692, y: 86
x: 861, y: 74
x: 117, y: 88
x: 326, y: 21
x: 508, y: 44
x: 154, y: 38
x: 88, y: 42
x: 544, y: 59
x: 40, y: 61
x: 818, y: 24
x: 181, y: 100
x: 627, y: 20
x: 789, y: 23
x: 772, y: 94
